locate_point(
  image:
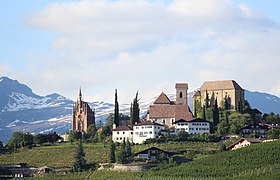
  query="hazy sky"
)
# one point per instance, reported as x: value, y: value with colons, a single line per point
x: 60, y: 45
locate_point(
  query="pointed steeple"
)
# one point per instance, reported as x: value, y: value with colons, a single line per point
x: 80, y: 94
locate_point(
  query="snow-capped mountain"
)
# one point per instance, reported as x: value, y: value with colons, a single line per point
x: 23, y: 110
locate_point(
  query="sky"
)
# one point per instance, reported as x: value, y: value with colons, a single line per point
x: 146, y: 46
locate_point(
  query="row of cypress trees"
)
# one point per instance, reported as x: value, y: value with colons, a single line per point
x: 134, y: 110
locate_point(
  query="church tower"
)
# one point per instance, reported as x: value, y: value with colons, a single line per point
x: 82, y: 115
x: 181, y: 93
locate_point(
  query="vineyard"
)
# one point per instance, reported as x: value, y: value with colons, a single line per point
x: 55, y: 157
x: 62, y: 156
x: 260, y: 161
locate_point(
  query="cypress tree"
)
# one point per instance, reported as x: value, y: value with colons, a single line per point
x: 194, y: 107
x: 116, y: 115
x: 203, y: 113
x: 80, y: 162
x: 216, y: 113
x: 128, y: 152
x: 112, y: 152
x: 207, y: 99
x: 134, y: 110
x: 131, y: 114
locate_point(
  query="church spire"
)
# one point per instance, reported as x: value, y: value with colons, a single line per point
x: 80, y: 94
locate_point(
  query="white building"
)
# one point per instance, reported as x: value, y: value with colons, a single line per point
x: 193, y: 126
x: 122, y: 132
x: 146, y: 130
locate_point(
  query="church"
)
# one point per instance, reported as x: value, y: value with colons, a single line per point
x: 167, y: 112
x: 83, y: 115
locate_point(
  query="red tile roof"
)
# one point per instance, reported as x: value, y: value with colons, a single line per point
x: 162, y: 99
x: 171, y: 111
x: 181, y: 85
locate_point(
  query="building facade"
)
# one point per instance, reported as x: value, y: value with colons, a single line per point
x: 83, y: 116
x: 121, y: 133
x: 166, y: 112
x: 257, y: 130
x: 220, y: 90
x: 146, y: 130
x: 194, y: 126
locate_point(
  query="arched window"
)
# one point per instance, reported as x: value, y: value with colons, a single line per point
x: 181, y: 95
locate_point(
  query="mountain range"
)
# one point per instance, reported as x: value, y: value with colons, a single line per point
x: 23, y: 110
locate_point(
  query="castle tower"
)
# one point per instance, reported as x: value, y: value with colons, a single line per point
x: 181, y: 93
x: 82, y: 116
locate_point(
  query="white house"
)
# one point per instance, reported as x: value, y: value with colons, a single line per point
x: 122, y: 132
x: 146, y: 130
x: 193, y: 126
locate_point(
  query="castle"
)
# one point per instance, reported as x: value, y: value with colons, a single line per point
x: 227, y: 90
x: 83, y: 115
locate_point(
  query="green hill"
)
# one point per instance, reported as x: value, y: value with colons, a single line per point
x: 260, y: 161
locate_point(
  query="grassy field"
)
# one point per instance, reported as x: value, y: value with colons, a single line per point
x: 260, y: 161
x: 62, y: 155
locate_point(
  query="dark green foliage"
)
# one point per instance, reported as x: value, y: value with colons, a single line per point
x: 40, y: 139
x: 91, y: 132
x: 215, y: 111
x: 75, y: 136
x: 112, y: 147
x: 134, y: 110
x: 206, y: 101
x: 116, y: 114
x: 204, y: 113
x: 79, y: 162
x: 53, y: 137
x: 223, y: 128
x: 128, y: 152
x: 124, y: 154
x: 19, y: 140
x: 1, y: 145
x: 238, y: 121
x: 273, y: 133
x: 271, y: 118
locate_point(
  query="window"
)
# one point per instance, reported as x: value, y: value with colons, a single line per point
x: 145, y: 132
x: 181, y: 95
x: 120, y: 138
x: 118, y: 132
x: 123, y: 132
x: 131, y: 132
x: 151, y: 132
x: 117, y: 138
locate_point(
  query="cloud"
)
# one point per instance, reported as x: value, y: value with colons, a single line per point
x: 150, y: 45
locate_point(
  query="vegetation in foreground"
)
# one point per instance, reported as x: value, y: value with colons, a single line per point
x: 260, y: 161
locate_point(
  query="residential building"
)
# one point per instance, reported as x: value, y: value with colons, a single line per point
x: 258, y: 130
x: 121, y: 133
x: 153, y: 154
x: 146, y: 130
x: 83, y: 116
x: 227, y: 90
x: 193, y: 126
x: 244, y: 142
x: 166, y: 112
x: 230, y: 135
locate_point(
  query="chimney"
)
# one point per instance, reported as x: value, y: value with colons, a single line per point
x: 114, y: 126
